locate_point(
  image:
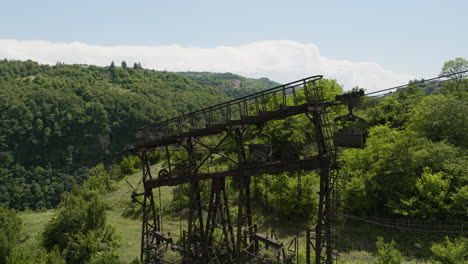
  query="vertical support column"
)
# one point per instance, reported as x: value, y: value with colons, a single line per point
x: 219, y: 217
x: 151, y: 222
x: 244, y: 214
x: 195, y: 235
x: 323, y: 230
x: 308, y: 245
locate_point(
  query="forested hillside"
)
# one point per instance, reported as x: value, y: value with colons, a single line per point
x: 232, y: 84
x: 53, y: 113
x: 57, y: 120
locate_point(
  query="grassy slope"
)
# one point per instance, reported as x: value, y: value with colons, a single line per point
x: 129, y: 230
x: 33, y: 224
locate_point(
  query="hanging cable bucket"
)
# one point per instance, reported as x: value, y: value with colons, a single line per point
x: 352, y: 130
x: 260, y: 151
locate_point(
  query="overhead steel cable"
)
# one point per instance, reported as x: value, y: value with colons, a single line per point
x: 416, y: 225
x: 436, y: 80
x: 423, y: 84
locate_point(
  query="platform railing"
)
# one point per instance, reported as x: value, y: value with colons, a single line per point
x: 272, y: 99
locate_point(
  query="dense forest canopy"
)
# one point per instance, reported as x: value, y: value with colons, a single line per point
x: 55, y: 120
x: 53, y: 113
x: 232, y: 84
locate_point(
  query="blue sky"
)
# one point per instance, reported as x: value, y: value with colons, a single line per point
x: 406, y: 38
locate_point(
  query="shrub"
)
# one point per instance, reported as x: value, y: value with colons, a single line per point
x: 449, y: 252
x: 130, y: 164
x: 10, y: 225
x: 387, y: 253
x: 79, y: 230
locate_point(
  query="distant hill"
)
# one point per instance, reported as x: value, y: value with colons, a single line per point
x: 232, y: 85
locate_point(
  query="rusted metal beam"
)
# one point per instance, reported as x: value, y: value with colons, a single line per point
x: 282, y: 113
x: 273, y: 167
x: 270, y: 241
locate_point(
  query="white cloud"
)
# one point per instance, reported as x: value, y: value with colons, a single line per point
x: 279, y: 60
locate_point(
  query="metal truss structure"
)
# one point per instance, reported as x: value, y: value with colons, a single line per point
x: 212, y: 236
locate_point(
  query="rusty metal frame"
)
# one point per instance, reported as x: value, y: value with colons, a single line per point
x: 219, y: 217
x: 234, y: 118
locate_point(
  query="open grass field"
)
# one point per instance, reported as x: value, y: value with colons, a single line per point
x: 32, y: 225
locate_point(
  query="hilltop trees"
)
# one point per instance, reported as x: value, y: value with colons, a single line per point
x: 137, y: 66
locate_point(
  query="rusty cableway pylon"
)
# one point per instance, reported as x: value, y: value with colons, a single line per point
x: 212, y: 237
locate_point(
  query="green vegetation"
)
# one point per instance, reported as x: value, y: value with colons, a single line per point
x: 79, y: 230
x: 387, y: 253
x: 34, y: 188
x: 10, y: 226
x: 62, y: 129
x: 35, y: 256
x: 57, y: 120
x: 416, y: 160
x: 13, y: 246
x: 232, y: 84
x: 73, y: 115
x: 449, y: 252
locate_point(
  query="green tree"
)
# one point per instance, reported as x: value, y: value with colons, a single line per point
x: 431, y: 200
x: 387, y: 253
x: 137, y: 66
x: 79, y: 229
x: 130, y: 164
x: 441, y: 117
x: 286, y: 196
x: 458, y: 86
x: 449, y: 252
x: 124, y: 65
x: 100, y: 179
x: 378, y: 177
x: 394, y: 110
x: 460, y: 199
x: 10, y: 226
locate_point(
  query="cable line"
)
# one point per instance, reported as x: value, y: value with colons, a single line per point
x: 404, y: 86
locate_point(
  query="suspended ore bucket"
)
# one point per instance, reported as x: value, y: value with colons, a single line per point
x: 352, y: 132
x: 349, y: 137
x: 259, y: 153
